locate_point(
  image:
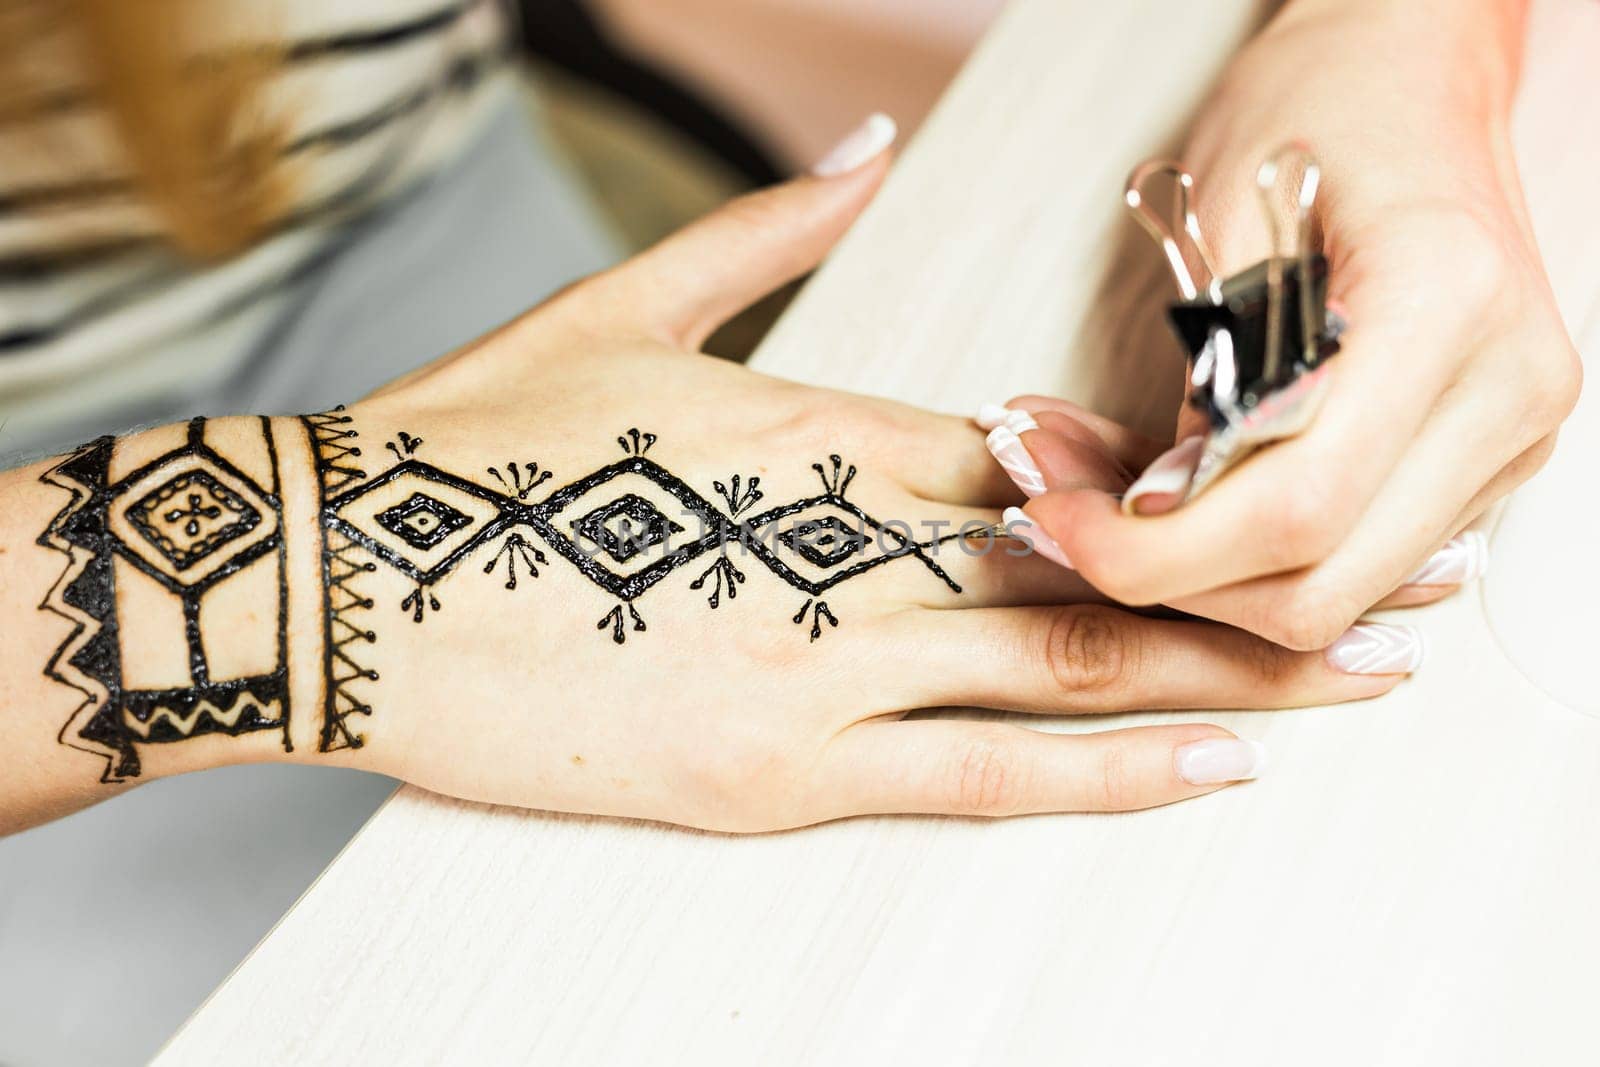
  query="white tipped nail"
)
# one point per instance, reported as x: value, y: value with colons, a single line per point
x: 860, y: 146
x: 991, y: 415
x: 1219, y: 759
x: 1013, y: 457
x: 1168, y: 475
x: 1018, y: 524
x: 1377, y: 648
x: 1462, y: 559
x: 1020, y: 422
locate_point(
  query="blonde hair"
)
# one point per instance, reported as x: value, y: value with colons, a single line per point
x: 188, y: 115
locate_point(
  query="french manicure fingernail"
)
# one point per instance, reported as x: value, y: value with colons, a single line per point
x: 1018, y: 524
x: 859, y: 146
x: 1167, y: 475
x: 1463, y: 558
x: 991, y: 415
x: 1019, y: 422
x: 1012, y: 454
x: 1219, y: 759
x: 1377, y: 648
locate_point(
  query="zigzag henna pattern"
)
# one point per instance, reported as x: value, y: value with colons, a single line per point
x: 88, y: 659
x: 333, y: 447
x: 188, y: 520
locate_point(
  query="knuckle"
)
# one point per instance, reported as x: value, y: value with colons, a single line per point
x: 1302, y: 526
x: 1270, y: 662
x: 1091, y: 649
x: 872, y: 422
x: 1556, y: 387
x: 987, y: 778
x: 803, y: 424
x: 738, y: 783
x: 1481, y: 261
x: 1309, y: 620
x: 1532, y: 461
x: 1116, y: 785
x: 1402, y: 250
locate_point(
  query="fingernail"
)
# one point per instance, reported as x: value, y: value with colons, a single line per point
x: 1019, y: 422
x: 859, y: 146
x: 1018, y: 524
x: 1008, y: 449
x: 1463, y: 558
x: 1377, y: 648
x: 1168, y: 475
x: 991, y: 415
x: 1219, y: 759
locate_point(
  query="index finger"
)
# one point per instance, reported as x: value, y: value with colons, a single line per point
x: 1286, y: 507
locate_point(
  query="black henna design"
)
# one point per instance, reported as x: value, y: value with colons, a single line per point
x: 423, y: 520
x: 189, y: 520
x: 417, y: 604
x: 521, y: 483
x: 516, y: 548
x: 613, y: 618
x: 404, y: 445
x: 739, y: 503
x: 818, y: 613
x: 723, y: 571
x: 335, y: 452
x: 636, y: 443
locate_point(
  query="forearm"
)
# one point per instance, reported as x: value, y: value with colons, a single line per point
x: 159, y: 588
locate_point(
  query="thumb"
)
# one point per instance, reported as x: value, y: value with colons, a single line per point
x: 691, y: 282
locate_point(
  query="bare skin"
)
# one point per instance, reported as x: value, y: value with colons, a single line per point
x: 1456, y: 370
x: 730, y: 718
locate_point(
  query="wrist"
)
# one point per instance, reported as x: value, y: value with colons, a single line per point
x: 370, y: 665
x: 1480, y: 38
x: 148, y: 588
x: 168, y: 551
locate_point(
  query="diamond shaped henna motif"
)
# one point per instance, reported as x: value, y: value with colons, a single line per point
x: 422, y: 521
x: 612, y: 525
x: 826, y: 542
x: 192, y: 516
x: 418, y: 518
x: 626, y: 527
x: 629, y: 570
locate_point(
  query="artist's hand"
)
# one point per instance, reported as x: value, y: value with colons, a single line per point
x: 729, y: 695
x: 1456, y: 369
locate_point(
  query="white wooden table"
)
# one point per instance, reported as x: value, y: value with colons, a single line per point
x: 1417, y: 880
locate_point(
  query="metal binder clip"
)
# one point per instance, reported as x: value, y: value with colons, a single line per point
x: 1255, y: 366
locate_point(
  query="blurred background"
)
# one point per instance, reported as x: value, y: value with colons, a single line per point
x: 628, y: 119
x: 668, y: 107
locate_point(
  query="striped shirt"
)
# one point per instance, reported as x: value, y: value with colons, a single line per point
x: 96, y: 309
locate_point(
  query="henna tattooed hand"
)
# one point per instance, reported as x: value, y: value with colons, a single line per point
x: 579, y: 566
